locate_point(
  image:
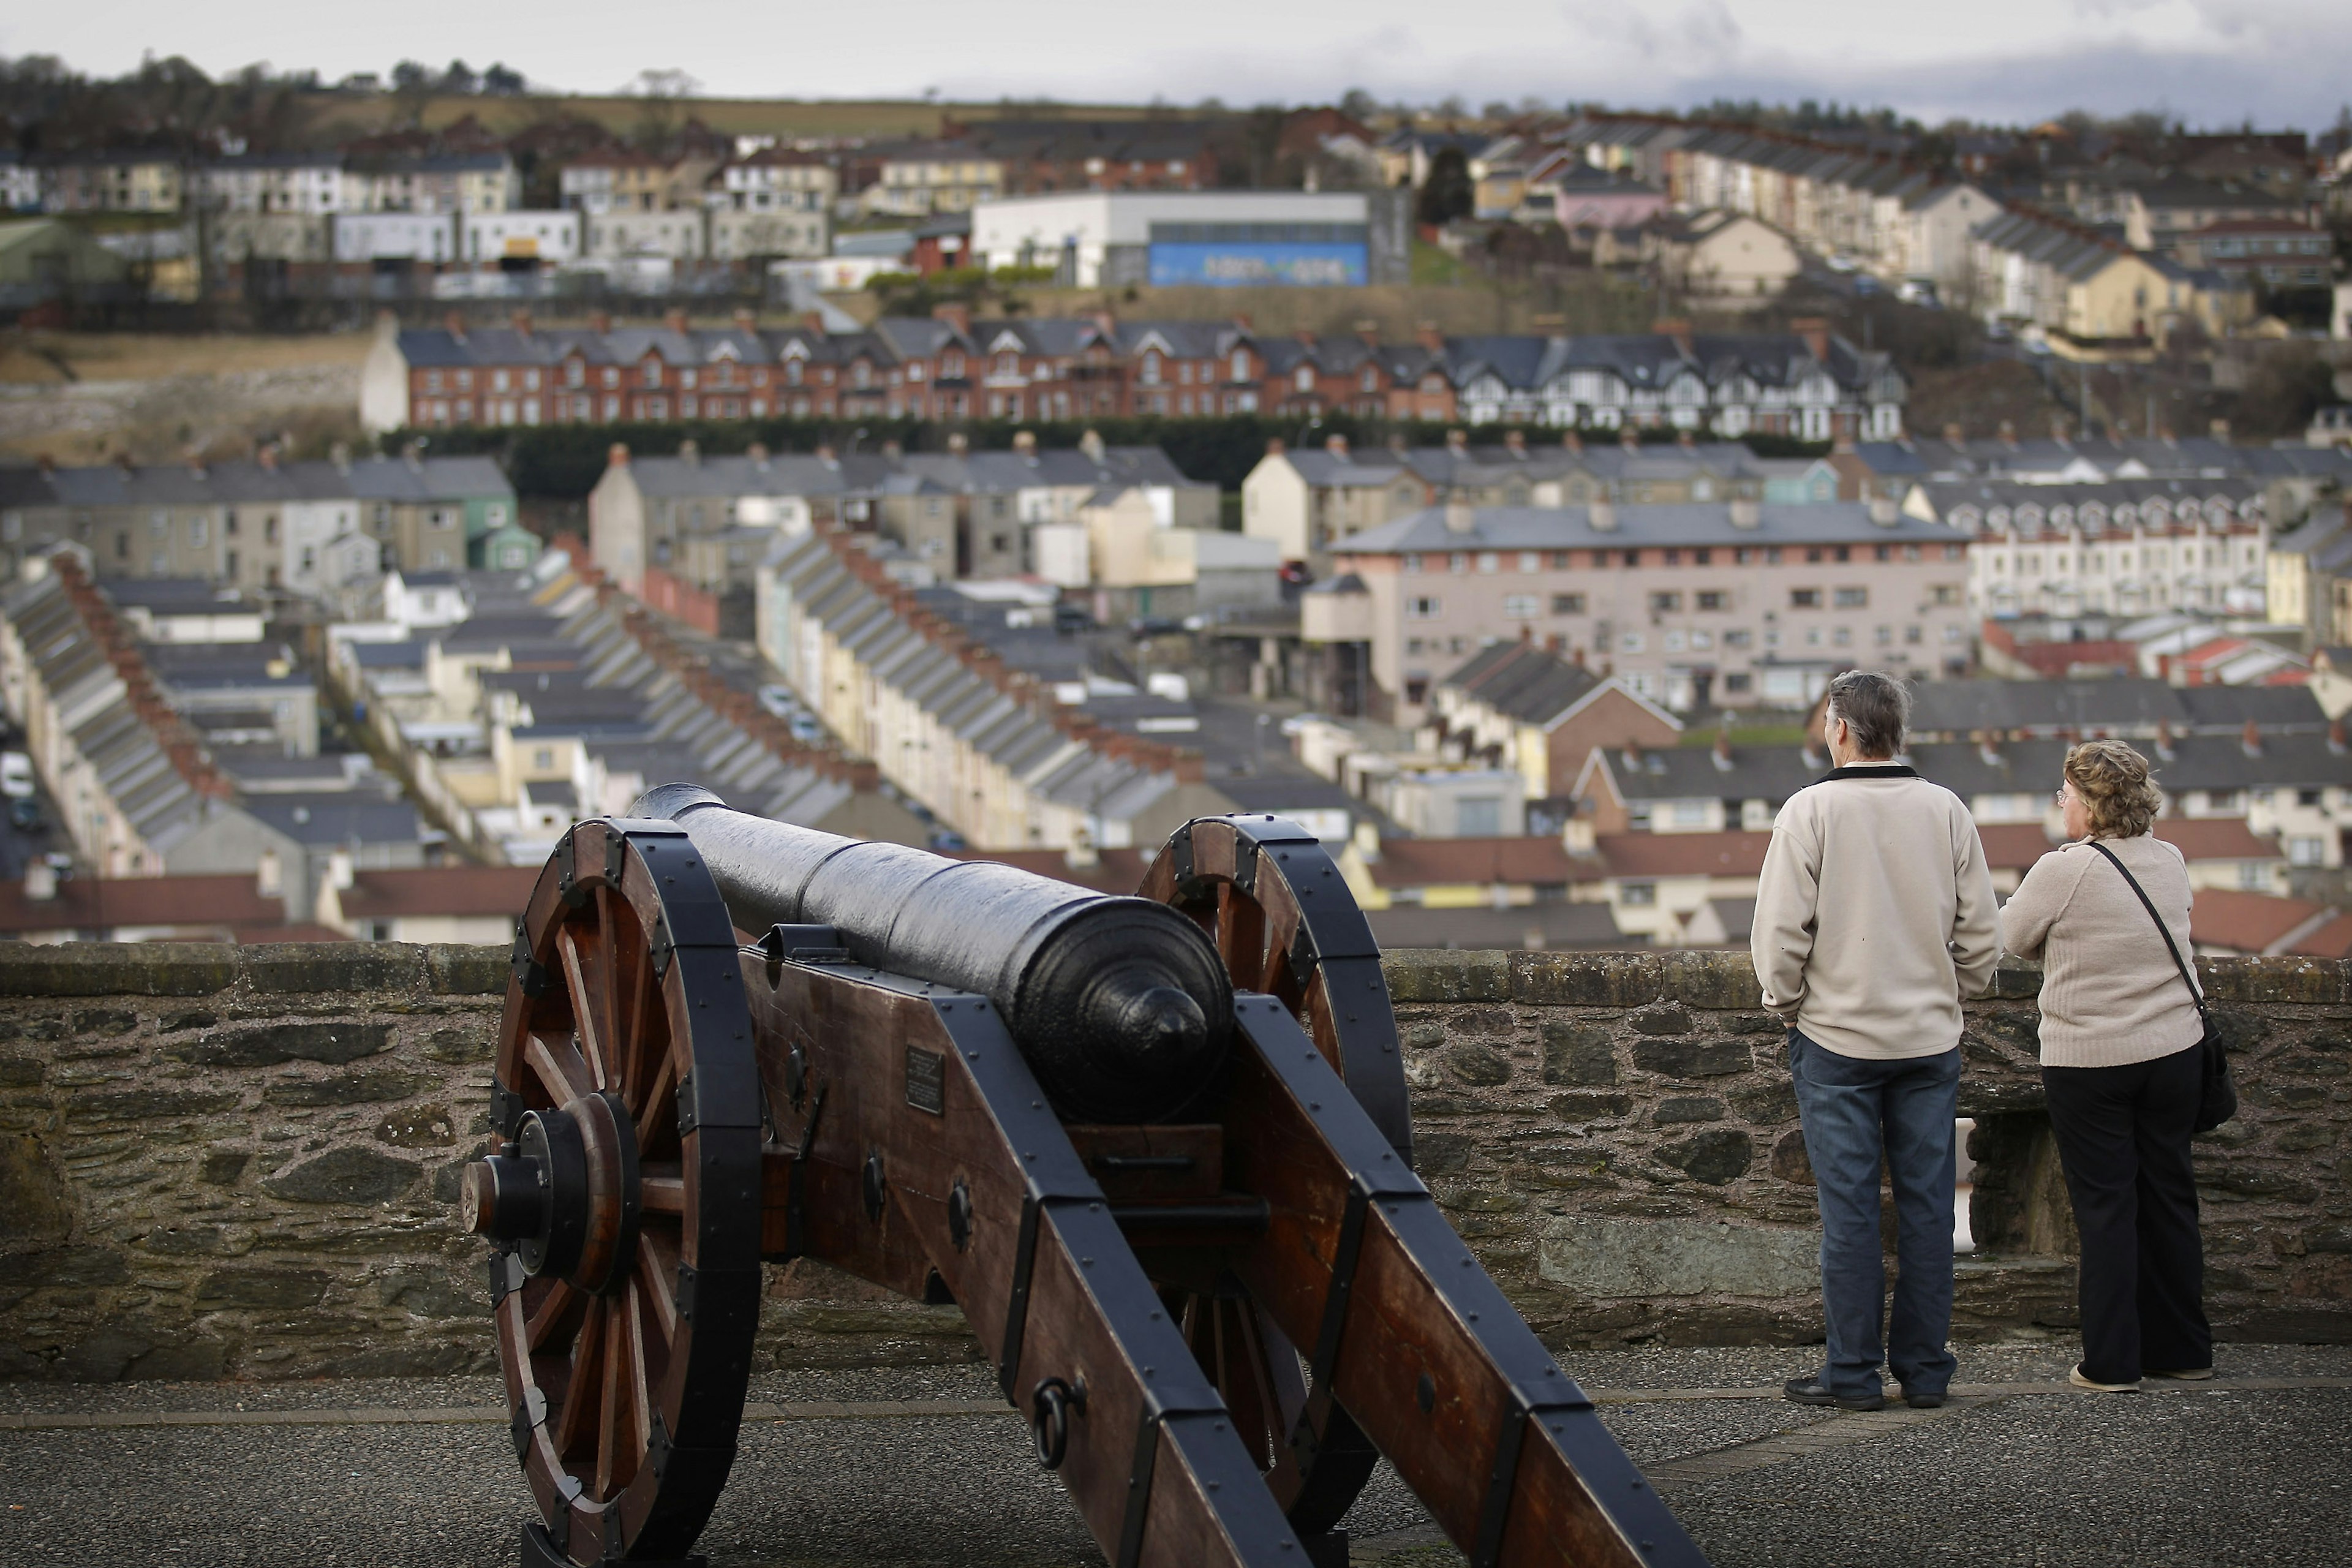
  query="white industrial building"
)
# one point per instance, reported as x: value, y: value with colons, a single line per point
x: 1103, y: 238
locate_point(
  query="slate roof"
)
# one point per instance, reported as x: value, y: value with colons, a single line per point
x: 1637, y: 524
x: 1524, y: 682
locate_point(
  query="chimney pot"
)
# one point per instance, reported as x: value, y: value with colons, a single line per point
x: 617, y: 455
x: 675, y: 319
x: 1336, y: 445
x: 455, y: 322
x: 521, y: 320
x: 1815, y: 331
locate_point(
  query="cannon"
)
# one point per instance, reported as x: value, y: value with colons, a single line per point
x: 1156, y: 1148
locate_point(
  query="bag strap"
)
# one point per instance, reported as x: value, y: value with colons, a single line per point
x: 2165, y: 931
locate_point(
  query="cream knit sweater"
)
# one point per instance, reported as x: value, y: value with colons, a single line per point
x: 1874, y: 914
x: 2110, y: 994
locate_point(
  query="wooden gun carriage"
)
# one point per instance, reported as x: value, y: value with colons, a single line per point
x: 1157, y: 1149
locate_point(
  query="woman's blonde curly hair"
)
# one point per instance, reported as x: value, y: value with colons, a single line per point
x: 2112, y: 780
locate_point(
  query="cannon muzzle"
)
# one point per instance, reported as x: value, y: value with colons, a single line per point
x: 1121, y: 1005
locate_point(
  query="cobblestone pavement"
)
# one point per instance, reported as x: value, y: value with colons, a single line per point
x: 924, y: 1466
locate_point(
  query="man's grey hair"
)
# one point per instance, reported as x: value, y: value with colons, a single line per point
x: 1875, y: 706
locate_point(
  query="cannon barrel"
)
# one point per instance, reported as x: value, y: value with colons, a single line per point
x: 1122, y: 1005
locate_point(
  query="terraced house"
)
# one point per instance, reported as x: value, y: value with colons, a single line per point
x: 1808, y: 382
x: 2124, y: 547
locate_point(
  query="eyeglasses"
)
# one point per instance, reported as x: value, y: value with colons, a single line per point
x: 2058, y: 795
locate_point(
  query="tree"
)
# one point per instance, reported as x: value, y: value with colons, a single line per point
x: 1359, y: 105
x: 1447, y: 193
x: 460, y: 79
x: 502, y: 81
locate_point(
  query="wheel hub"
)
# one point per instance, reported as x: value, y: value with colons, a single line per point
x: 565, y: 1194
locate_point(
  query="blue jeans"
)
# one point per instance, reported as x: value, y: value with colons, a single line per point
x: 1859, y: 1112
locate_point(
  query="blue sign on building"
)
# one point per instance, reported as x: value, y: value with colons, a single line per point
x: 1236, y: 255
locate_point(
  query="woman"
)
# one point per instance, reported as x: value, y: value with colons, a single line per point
x: 2121, y: 1069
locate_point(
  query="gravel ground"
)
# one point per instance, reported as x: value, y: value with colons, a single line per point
x: 2191, y: 1477
x: 2203, y: 1480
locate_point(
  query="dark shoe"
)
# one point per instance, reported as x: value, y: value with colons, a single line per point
x: 2081, y: 1379
x: 1812, y: 1391
x: 1923, y: 1400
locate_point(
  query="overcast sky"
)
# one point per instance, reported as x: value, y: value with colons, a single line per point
x: 2209, y: 61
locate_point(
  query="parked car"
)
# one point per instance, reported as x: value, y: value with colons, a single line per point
x: 24, y: 814
x: 805, y: 727
x: 1918, y: 291
x: 15, y: 774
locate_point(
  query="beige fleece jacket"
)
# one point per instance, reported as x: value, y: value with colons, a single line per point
x: 1875, y: 916
x: 2111, y: 995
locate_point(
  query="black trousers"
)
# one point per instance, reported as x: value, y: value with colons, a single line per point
x: 2123, y: 1138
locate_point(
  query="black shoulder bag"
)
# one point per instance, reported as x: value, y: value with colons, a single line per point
x: 2218, y: 1099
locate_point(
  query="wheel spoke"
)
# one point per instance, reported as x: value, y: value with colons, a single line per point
x: 615, y: 1461
x: 575, y: 1424
x: 639, y: 1433
x: 656, y: 1132
x: 560, y: 1071
x: 554, y: 1319
x: 656, y: 1268
x: 663, y: 1194
x: 640, y: 1017
x: 587, y: 1002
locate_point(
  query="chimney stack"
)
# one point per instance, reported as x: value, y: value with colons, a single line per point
x: 1747, y: 513
x: 1091, y: 442
x: 2007, y: 432
x: 1515, y: 442
x: 2221, y: 429
x: 1457, y: 442
x: 520, y: 318
x: 455, y: 322
x: 1274, y: 447
x: 1570, y: 441
x: 1883, y: 511
x: 1336, y: 445
x: 1426, y: 334
x: 746, y: 319
x: 1459, y: 518
x: 959, y: 444
x: 675, y: 319
x: 1628, y: 437
x: 1679, y: 329
x: 1815, y: 331
x: 758, y: 452
x: 956, y: 316
x: 2252, y: 740
x: 1602, y: 515
x: 616, y: 456
x: 812, y: 323
x: 1955, y: 435
x: 599, y: 322
x: 691, y: 450
x: 1025, y: 442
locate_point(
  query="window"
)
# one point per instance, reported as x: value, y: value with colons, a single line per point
x: 1640, y: 893
x: 1489, y: 562
x: 1424, y: 607
x: 1853, y: 599
x: 1521, y: 606
x: 1738, y: 637
x: 1911, y: 635
x: 1568, y: 604
x: 1738, y: 680
x: 1530, y: 561
x: 1457, y: 562
x: 1631, y: 642
x: 1241, y: 364
x: 1710, y: 599
x: 1304, y: 379
x: 1804, y: 598
x: 1413, y: 562
x: 542, y: 757
x: 1665, y: 602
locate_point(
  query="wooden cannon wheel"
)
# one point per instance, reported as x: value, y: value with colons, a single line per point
x: 1285, y: 923
x: 624, y: 1199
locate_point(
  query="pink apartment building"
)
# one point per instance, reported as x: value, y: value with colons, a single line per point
x: 1693, y: 604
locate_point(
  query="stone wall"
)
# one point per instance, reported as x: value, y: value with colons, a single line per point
x: 242, y: 1161
x: 1616, y: 1135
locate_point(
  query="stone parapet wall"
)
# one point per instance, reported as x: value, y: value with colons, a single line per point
x: 1616, y: 1135
x: 242, y: 1162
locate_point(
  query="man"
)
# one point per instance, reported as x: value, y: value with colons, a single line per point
x: 1874, y: 918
